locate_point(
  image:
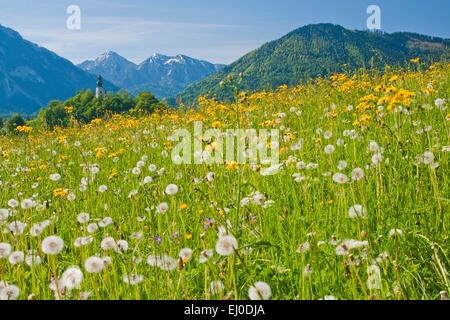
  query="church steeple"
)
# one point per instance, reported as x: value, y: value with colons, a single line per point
x: 99, y: 91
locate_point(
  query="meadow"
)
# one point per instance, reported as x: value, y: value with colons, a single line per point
x: 358, y: 207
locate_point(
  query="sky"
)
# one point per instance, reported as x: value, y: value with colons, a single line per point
x: 216, y: 31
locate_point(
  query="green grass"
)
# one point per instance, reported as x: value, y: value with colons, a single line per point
x: 398, y: 193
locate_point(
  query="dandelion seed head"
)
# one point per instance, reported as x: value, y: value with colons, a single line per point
x: 185, y: 253
x: 108, y: 243
x: 339, y: 178
x: 171, y: 189
x: 83, y: 217
x: 72, y: 278
x: 52, y: 245
x: 10, y: 292
x: 94, y: 264
x: 226, y: 245
x: 5, y: 250
x: 16, y: 257
x: 259, y: 291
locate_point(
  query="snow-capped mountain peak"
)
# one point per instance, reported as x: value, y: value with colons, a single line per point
x: 162, y: 75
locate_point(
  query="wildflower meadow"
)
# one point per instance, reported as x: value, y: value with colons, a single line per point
x: 356, y: 205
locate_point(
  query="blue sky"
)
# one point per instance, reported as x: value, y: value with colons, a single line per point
x: 216, y: 31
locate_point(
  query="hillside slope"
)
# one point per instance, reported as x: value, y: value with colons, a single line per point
x: 319, y: 50
x: 31, y: 76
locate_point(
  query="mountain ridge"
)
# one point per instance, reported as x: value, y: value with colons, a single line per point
x: 318, y: 50
x: 160, y: 74
x: 31, y: 75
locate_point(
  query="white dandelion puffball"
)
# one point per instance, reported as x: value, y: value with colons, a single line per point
x: 154, y: 261
x: 205, y: 255
x: 140, y: 164
x: 342, y: 249
x: 107, y: 260
x: 168, y: 263
x: 121, y: 246
x: 83, y: 217
x: 439, y: 102
x: 38, y: 228
x: 17, y: 227
x: 27, y: 204
x: 108, y: 243
x: 151, y: 168
x: 216, y: 287
x: 259, y: 290
x: 72, y: 278
x: 373, y: 146
x: 434, y: 165
x: 162, y: 207
x: 357, y: 174
x: 329, y: 149
x: 32, y: 259
x: 148, y: 179
x: 226, y: 245
x: 357, y: 210
x: 9, y: 292
x: 5, y: 250
x: 210, y: 176
x: 395, y: 232
x: 92, y: 227
x: 339, y: 178
x: 428, y: 157
x: 16, y: 257
x: 185, y: 253
x: 52, y: 245
x: 13, y: 203
x: 102, y: 188
x: 304, y: 247
x: 55, y: 177
x: 377, y: 158
x: 136, y: 171
x: 4, y: 214
x: 82, y: 241
x: 132, y: 279
x: 346, y: 245
x: 171, y: 189
x: 105, y: 222
x: 94, y: 264
x: 300, y: 165
x: 342, y: 165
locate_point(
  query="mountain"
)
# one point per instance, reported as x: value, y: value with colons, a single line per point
x: 31, y: 76
x: 162, y: 75
x: 111, y: 66
x: 319, y: 50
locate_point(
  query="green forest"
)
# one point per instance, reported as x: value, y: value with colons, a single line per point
x: 84, y: 107
x: 320, y: 50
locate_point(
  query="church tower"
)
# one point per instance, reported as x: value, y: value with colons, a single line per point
x: 99, y: 92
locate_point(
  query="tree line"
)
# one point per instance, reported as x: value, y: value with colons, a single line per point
x: 84, y: 107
